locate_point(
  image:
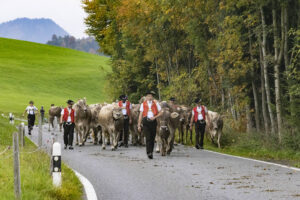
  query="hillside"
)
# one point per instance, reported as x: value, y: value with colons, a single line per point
x: 48, y: 74
x: 34, y: 30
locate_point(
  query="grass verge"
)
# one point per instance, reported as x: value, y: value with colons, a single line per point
x: 36, y: 182
x: 253, y: 145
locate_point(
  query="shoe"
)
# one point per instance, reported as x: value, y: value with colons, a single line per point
x: 65, y: 147
x: 29, y: 133
x: 121, y: 144
x: 197, y: 147
x: 150, y: 155
x: 71, y: 148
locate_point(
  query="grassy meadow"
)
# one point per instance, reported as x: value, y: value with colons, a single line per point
x: 45, y: 74
x: 48, y: 74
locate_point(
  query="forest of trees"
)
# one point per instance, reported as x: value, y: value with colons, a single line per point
x: 241, y: 57
x: 85, y: 44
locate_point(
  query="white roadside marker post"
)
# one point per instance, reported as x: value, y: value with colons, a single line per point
x: 11, y: 118
x: 56, y: 159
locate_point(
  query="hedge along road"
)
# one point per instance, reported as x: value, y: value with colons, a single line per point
x: 187, y: 174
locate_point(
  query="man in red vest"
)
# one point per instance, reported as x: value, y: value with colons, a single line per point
x: 199, y: 114
x: 126, y: 108
x: 149, y: 111
x: 68, y: 119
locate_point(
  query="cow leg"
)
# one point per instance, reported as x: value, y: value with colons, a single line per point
x: 158, y: 144
x: 95, y: 133
x: 80, y: 132
x: 219, y: 137
x: 170, y: 141
x: 103, y: 139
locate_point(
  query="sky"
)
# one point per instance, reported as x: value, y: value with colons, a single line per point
x: 68, y: 14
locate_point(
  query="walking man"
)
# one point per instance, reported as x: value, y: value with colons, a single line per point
x: 199, y: 114
x: 31, y: 111
x: 126, y: 108
x: 149, y: 111
x: 68, y: 119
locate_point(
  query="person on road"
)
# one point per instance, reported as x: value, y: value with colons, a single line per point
x: 68, y: 120
x: 199, y: 114
x: 31, y: 112
x: 149, y: 111
x: 126, y: 108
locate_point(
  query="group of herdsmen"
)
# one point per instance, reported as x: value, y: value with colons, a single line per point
x: 150, y: 110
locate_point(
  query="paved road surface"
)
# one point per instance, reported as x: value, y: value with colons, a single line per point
x: 186, y: 174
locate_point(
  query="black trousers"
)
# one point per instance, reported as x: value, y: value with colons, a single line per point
x: 31, y: 120
x: 149, y: 130
x: 200, y: 129
x: 69, y: 133
x: 125, y: 132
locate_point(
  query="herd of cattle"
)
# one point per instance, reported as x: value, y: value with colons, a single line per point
x: 105, y: 123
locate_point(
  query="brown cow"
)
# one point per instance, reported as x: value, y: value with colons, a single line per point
x: 94, y: 125
x: 111, y: 121
x: 163, y: 133
x: 55, y: 111
x: 82, y: 120
x: 136, y: 136
x: 185, y: 117
x: 215, y: 126
x: 173, y: 124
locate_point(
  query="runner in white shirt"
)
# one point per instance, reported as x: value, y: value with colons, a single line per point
x: 31, y: 111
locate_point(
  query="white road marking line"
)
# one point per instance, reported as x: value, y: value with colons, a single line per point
x: 260, y: 161
x: 88, y: 187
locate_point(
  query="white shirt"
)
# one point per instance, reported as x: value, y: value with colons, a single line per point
x: 150, y: 113
x: 31, y: 110
x: 124, y: 111
x: 69, y: 117
x: 199, y: 110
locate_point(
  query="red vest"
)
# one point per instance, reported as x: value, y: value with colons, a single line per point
x: 127, y: 106
x: 196, y: 113
x: 146, y: 108
x: 66, y: 115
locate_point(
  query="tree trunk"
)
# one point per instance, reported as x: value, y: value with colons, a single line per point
x: 286, y: 58
x: 263, y: 95
x: 157, y: 78
x: 257, y: 125
x: 277, y: 61
x: 249, y: 119
x: 265, y: 64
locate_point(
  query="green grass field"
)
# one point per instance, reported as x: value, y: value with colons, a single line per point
x: 48, y: 74
x: 45, y: 74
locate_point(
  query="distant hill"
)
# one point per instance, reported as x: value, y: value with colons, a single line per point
x: 33, y: 30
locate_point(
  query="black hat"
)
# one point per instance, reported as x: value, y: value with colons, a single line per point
x: 70, y: 102
x: 122, y: 97
x: 172, y: 99
x: 197, y: 100
x: 150, y: 92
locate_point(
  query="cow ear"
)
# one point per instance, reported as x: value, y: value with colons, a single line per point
x: 174, y: 115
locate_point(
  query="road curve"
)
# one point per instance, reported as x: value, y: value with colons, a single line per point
x: 187, y: 174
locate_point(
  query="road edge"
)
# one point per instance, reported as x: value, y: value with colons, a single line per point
x: 88, y: 187
x: 260, y: 161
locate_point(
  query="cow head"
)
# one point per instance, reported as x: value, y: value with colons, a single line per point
x: 81, y: 104
x: 164, y: 121
x: 117, y: 113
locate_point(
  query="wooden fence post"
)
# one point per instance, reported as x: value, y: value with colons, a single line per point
x: 17, y: 177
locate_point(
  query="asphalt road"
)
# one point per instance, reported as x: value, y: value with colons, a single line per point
x: 187, y: 174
